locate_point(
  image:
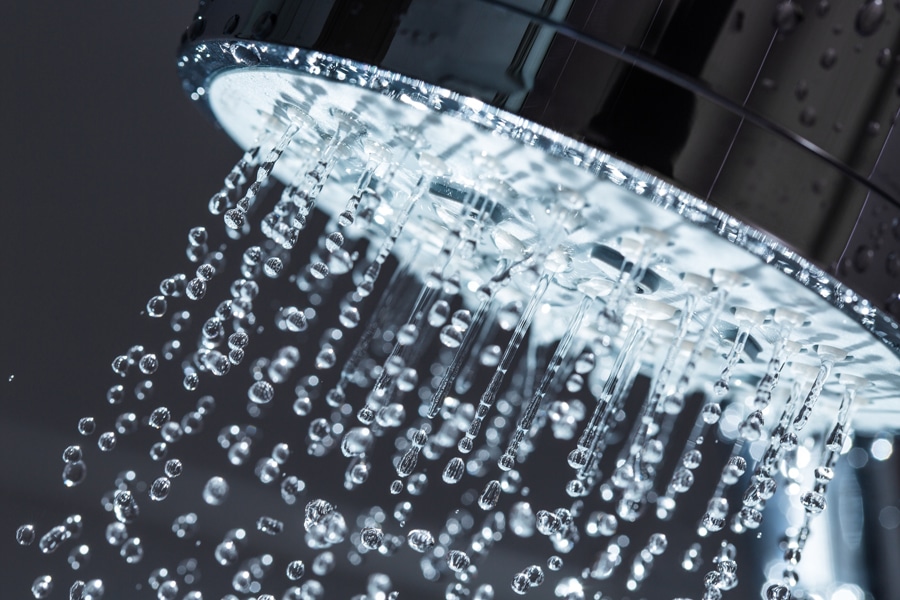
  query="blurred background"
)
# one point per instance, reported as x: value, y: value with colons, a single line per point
x: 106, y: 165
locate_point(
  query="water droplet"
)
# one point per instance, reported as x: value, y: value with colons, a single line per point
x: 215, y: 491
x: 692, y: 459
x: 185, y: 526
x: 234, y: 218
x: 407, y: 380
x: 657, y: 544
x: 25, y: 535
x: 267, y: 470
x: 828, y: 58
x: 813, y: 502
x: 751, y: 429
x: 125, y: 507
x: 156, y: 306
x: 79, y: 557
x: 733, y: 470
x: 72, y: 454
x: 261, y: 392
x: 42, y: 586
x: 159, y: 489
x: 295, y: 570
x: 132, y: 551
x: 371, y: 537
x: 116, y: 533
x: 750, y: 517
x: 74, y: 473
x: 226, y: 553
x: 315, y: 511
x: 407, y: 334
x: 205, y: 272
x: 195, y: 289
x: 788, y: 15
x: 490, y: 355
x: 420, y: 540
x: 269, y: 525
x: 454, y: 470
x: 357, y: 441
x: 159, y: 417
x: 777, y: 591
x: 86, y: 426
x: 291, y: 488
x: 273, y: 267
x: 197, y: 236
x: 535, y: 575
x: 808, y: 118
x: 115, y: 394
x: 439, y: 313
x: 451, y: 336
x: 238, y: 340
x: 107, y: 441
x: 870, y: 17
x: 334, y: 241
x: 711, y: 413
x: 520, y: 583
x: 490, y: 495
x: 349, y: 317
x: 326, y: 358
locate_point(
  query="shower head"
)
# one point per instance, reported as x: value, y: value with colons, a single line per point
x: 520, y: 100
x: 576, y: 298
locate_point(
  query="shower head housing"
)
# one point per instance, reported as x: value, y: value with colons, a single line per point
x: 644, y: 116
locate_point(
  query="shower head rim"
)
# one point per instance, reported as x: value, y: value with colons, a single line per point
x: 215, y: 59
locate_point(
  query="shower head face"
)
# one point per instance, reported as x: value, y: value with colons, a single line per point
x: 518, y: 188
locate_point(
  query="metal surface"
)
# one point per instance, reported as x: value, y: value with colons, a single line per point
x: 275, y: 80
x: 714, y: 96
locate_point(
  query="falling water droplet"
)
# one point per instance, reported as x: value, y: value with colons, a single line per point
x: 42, y: 586
x: 156, y: 306
x: 86, y: 426
x: 107, y: 441
x: 371, y: 537
x: 813, y: 502
x: 261, y: 392
x: 25, y: 535
x: 489, y: 495
x: 439, y: 313
x: 420, y: 540
x: 778, y: 592
x: 215, y: 491
x: 454, y: 470
x: 159, y: 489
x: 74, y: 473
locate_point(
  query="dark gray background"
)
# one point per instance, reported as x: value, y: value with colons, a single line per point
x: 105, y: 165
